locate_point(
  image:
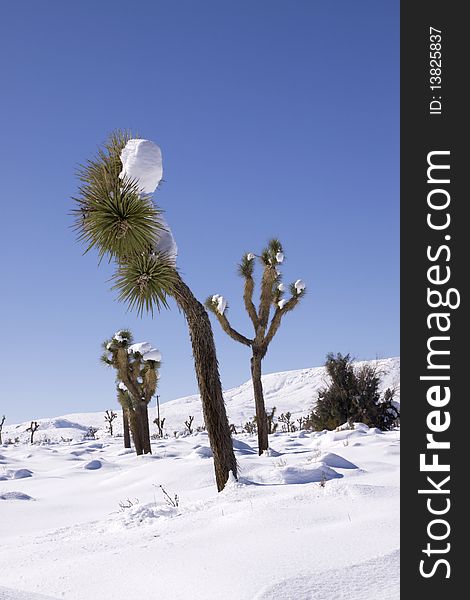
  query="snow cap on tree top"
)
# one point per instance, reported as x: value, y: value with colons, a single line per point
x: 142, y: 160
x: 281, y: 287
x: 140, y: 347
x: 250, y: 256
x: 299, y: 285
x: 121, y: 336
x: 153, y: 354
x: 279, y: 257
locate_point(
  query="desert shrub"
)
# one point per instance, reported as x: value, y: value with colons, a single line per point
x: 353, y: 396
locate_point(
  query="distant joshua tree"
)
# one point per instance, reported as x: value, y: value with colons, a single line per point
x: 109, y: 417
x: 2, y: 421
x: 116, y: 215
x: 189, y: 424
x: 137, y: 373
x: 272, y: 296
x: 32, y: 429
x: 159, y: 422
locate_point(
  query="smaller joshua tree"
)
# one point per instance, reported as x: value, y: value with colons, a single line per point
x: 2, y: 421
x: 32, y: 429
x: 189, y: 424
x: 159, y: 422
x: 109, y: 417
x: 137, y: 374
x: 271, y: 297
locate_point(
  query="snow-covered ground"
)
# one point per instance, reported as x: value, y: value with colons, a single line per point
x: 316, y: 519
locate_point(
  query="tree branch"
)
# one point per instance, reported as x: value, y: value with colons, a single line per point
x: 276, y: 322
x: 248, y: 299
x: 267, y: 281
x: 233, y: 333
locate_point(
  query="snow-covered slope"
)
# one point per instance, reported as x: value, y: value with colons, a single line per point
x: 293, y: 391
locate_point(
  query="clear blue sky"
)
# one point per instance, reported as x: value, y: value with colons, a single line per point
x: 275, y: 119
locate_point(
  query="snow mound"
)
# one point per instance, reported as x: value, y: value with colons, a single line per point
x: 145, y: 514
x: 15, y: 496
x: 242, y: 447
x: 16, y: 474
x: 142, y: 160
x: 201, y: 452
x: 337, y: 462
x: 297, y: 474
x: 377, y: 578
x: 93, y: 465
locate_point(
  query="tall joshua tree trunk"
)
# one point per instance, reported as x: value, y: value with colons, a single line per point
x: 136, y: 429
x: 144, y: 427
x: 127, y: 433
x: 261, y: 420
x: 210, y: 388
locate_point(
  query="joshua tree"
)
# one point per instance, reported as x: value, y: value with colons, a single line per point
x: 109, y: 417
x: 272, y: 426
x: 159, y: 423
x: 33, y: 428
x: 285, y: 418
x: 115, y: 213
x: 137, y: 373
x: 189, y: 424
x: 2, y: 421
x: 272, y: 292
x: 158, y: 420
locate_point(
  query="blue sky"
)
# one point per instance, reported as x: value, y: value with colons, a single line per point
x: 274, y: 118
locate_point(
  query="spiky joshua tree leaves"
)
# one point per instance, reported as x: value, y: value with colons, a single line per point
x: 266, y: 319
x: 115, y: 217
x: 137, y: 378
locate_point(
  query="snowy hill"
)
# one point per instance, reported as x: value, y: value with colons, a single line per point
x: 293, y: 391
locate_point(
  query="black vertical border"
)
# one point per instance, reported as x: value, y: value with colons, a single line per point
x: 422, y: 133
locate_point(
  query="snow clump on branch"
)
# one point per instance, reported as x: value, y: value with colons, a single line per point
x: 299, y: 286
x: 221, y: 303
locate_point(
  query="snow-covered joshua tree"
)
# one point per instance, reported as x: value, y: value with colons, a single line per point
x: 115, y: 213
x: 272, y: 295
x: 137, y: 368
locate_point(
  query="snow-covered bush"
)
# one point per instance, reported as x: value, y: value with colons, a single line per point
x: 353, y: 396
